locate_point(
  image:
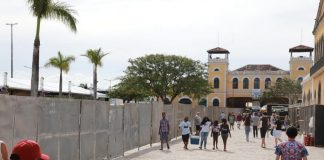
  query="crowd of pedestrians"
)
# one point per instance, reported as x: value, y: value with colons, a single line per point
x: 260, y: 123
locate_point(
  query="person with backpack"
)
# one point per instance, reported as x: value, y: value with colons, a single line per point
x: 247, y: 124
x: 215, y: 134
x: 264, y: 128
x: 185, y: 127
x: 231, y: 120
x: 225, y: 131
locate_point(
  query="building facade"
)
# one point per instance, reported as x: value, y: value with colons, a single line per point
x: 312, y: 85
x: 243, y: 86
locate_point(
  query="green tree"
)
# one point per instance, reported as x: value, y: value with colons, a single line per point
x: 286, y: 88
x: 168, y: 75
x: 95, y: 57
x: 128, y: 90
x: 62, y: 63
x: 47, y: 9
x: 83, y: 85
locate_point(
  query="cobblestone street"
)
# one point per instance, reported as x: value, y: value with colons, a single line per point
x: 238, y: 149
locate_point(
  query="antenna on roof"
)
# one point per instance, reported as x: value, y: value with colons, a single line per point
x: 218, y: 39
x: 301, y: 36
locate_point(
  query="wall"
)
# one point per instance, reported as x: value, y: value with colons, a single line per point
x: 90, y: 130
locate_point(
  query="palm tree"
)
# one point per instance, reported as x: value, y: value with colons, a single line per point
x: 95, y: 56
x: 47, y: 9
x: 62, y: 63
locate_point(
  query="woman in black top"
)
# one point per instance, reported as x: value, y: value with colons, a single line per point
x: 225, y: 131
x: 264, y: 128
x: 277, y: 130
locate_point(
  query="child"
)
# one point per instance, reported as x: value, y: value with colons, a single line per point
x: 215, y: 134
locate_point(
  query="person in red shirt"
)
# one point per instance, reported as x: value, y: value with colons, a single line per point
x: 239, y: 120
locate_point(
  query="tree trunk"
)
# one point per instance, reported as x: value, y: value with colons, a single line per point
x: 60, y: 89
x: 35, y: 63
x: 95, y: 82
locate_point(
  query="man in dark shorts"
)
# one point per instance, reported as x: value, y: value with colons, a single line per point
x: 185, y: 127
x: 164, y: 131
x: 264, y: 128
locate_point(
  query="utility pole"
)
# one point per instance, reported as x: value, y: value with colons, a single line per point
x: 11, y: 26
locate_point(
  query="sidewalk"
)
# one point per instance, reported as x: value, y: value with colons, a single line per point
x: 238, y: 149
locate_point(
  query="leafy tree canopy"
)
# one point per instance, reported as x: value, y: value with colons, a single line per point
x: 286, y: 88
x: 166, y: 75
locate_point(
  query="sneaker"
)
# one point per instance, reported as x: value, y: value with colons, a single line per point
x: 214, y: 148
x: 200, y: 148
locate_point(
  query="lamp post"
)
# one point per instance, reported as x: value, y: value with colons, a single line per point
x: 11, y: 26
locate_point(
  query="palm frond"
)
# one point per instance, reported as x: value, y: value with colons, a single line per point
x: 61, y: 62
x: 39, y: 7
x: 62, y: 12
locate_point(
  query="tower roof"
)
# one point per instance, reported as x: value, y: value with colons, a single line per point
x: 218, y: 50
x: 301, y: 48
x: 258, y: 67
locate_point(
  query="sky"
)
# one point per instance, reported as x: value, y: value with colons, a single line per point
x: 254, y: 31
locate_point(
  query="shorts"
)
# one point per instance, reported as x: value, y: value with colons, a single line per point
x: 197, y: 127
x: 263, y: 132
x: 185, y: 138
x: 277, y: 133
x: 164, y: 136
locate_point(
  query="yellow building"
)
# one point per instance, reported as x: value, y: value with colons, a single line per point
x: 312, y: 89
x: 245, y: 85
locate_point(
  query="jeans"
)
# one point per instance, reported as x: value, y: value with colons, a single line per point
x: 247, y: 132
x: 255, y: 131
x: 204, y: 136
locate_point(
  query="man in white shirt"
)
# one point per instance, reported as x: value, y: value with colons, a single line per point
x: 185, y: 127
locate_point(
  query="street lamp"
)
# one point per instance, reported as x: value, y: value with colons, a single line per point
x: 11, y: 26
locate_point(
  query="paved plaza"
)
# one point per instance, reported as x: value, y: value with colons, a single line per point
x: 238, y: 149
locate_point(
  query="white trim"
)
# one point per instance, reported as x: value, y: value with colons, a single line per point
x: 183, y: 97
x: 279, y: 77
x: 267, y: 77
x: 300, y: 77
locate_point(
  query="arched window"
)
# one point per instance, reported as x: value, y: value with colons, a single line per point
x: 216, y: 103
x: 185, y: 101
x: 203, y: 102
x: 256, y: 83
x: 216, y: 69
x: 279, y: 80
x: 301, y: 68
x: 300, y: 79
x: 245, y: 83
x: 216, y: 83
x: 235, y: 83
x: 267, y: 83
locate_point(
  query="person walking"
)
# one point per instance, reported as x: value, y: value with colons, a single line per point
x: 205, y: 124
x: 3, y: 151
x: 247, y: 124
x: 164, y: 131
x: 185, y: 127
x: 264, y: 129
x: 239, y: 120
x: 222, y: 116
x: 197, y: 121
x: 225, y: 131
x: 215, y: 134
x: 277, y: 130
x: 291, y: 149
x: 255, y: 124
x: 231, y: 120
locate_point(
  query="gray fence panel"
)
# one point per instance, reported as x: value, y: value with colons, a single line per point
x: 145, y: 124
x: 115, y: 145
x: 87, y: 130
x: 101, y: 118
x: 7, y: 105
x: 26, y: 119
x: 131, y: 128
x: 156, y: 117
